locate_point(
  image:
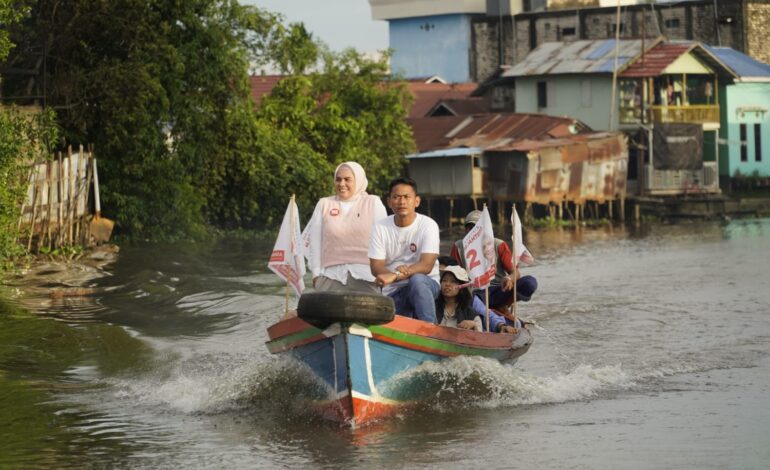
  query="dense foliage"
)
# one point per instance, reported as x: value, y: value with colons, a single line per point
x: 161, y: 88
x: 23, y: 137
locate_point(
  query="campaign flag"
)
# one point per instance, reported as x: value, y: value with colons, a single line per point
x: 520, y: 252
x: 286, y: 260
x: 480, y: 253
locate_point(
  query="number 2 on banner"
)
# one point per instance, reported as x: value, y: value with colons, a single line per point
x: 470, y: 257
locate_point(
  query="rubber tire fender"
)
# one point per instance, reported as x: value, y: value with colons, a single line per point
x: 321, y: 309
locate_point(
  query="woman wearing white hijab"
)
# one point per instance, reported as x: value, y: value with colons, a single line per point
x: 337, y: 236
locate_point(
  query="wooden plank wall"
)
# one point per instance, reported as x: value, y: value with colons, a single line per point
x: 57, y: 209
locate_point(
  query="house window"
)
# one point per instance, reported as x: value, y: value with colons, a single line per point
x: 542, y: 95
x: 672, y: 23
x: 744, y: 144
x: 614, y: 27
x: 758, y: 142
x: 585, y: 93
x: 568, y: 32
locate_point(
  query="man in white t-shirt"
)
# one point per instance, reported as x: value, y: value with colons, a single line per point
x: 403, y: 253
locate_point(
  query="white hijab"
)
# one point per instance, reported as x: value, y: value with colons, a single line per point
x: 359, y: 174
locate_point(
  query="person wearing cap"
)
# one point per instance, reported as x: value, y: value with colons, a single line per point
x: 337, y: 235
x: 501, y: 287
x: 402, y: 254
x: 454, y: 305
x: 497, y: 322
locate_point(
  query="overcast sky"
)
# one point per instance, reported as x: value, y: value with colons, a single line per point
x: 338, y: 23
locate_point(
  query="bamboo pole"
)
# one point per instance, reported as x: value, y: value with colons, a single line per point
x: 49, y: 215
x: 70, y: 196
x: 34, y: 211
x: 86, y: 239
x: 60, y: 195
x: 67, y: 163
x: 80, y: 184
x: 30, y: 182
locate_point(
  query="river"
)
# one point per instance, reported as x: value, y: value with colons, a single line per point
x: 652, y: 352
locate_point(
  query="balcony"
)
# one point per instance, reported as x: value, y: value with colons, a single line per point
x: 673, y: 182
x: 689, y: 114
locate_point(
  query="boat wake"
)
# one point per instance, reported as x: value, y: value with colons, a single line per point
x: 281, y: 388
x: 469, y: 382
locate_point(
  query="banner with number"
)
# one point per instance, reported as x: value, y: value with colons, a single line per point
x: 480, y: 253
x: 286, y: 260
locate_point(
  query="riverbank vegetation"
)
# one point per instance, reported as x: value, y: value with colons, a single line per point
x: 22, y: 138
x: 162, y: 91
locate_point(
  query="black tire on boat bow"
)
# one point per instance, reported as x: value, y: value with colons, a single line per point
x: 321, y: 309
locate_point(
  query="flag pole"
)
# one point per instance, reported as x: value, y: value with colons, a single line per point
x: 515, y: 270
x: 486, y: 294
x: 288, y: 285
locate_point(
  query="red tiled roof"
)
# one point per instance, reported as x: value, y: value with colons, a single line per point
x: 427, y: 95
x: 262, y: 85
x: 656, y: 60
x: 463, y: 107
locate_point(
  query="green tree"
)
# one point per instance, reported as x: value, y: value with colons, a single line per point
x: 18, y: 143
x: 347, y: 110
x: 161, y: 89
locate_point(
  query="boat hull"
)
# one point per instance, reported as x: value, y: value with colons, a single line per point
x: 363, y: 367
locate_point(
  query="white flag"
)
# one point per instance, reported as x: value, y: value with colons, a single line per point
x: 480, y: 253
x: 286, y: 259
x: 520, y: 252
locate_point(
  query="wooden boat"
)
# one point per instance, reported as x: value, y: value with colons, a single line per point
x: 362, y: 365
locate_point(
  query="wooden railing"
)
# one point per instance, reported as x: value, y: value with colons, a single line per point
x: 697, y: 113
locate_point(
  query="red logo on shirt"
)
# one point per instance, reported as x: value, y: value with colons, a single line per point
x: 334, y: 212
x: 413, y: 248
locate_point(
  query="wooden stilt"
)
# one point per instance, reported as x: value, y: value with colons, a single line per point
x: 569, y: 212
x: 622, y: 208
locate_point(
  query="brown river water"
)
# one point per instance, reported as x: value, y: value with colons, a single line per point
x: 653, y: 351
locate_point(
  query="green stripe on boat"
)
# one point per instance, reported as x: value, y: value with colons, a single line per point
x: 293, y: 338
x: 431, y: 343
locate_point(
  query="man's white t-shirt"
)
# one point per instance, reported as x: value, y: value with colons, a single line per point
x: 404, y: 245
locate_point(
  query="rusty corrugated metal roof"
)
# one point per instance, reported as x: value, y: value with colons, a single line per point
x: 491, y: 130
x: 656, y: 59
x: 429, y: 133
x: 660, y: 56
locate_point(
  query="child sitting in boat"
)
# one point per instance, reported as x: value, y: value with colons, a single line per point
x: 497, y: 322
x: 454, y: 305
